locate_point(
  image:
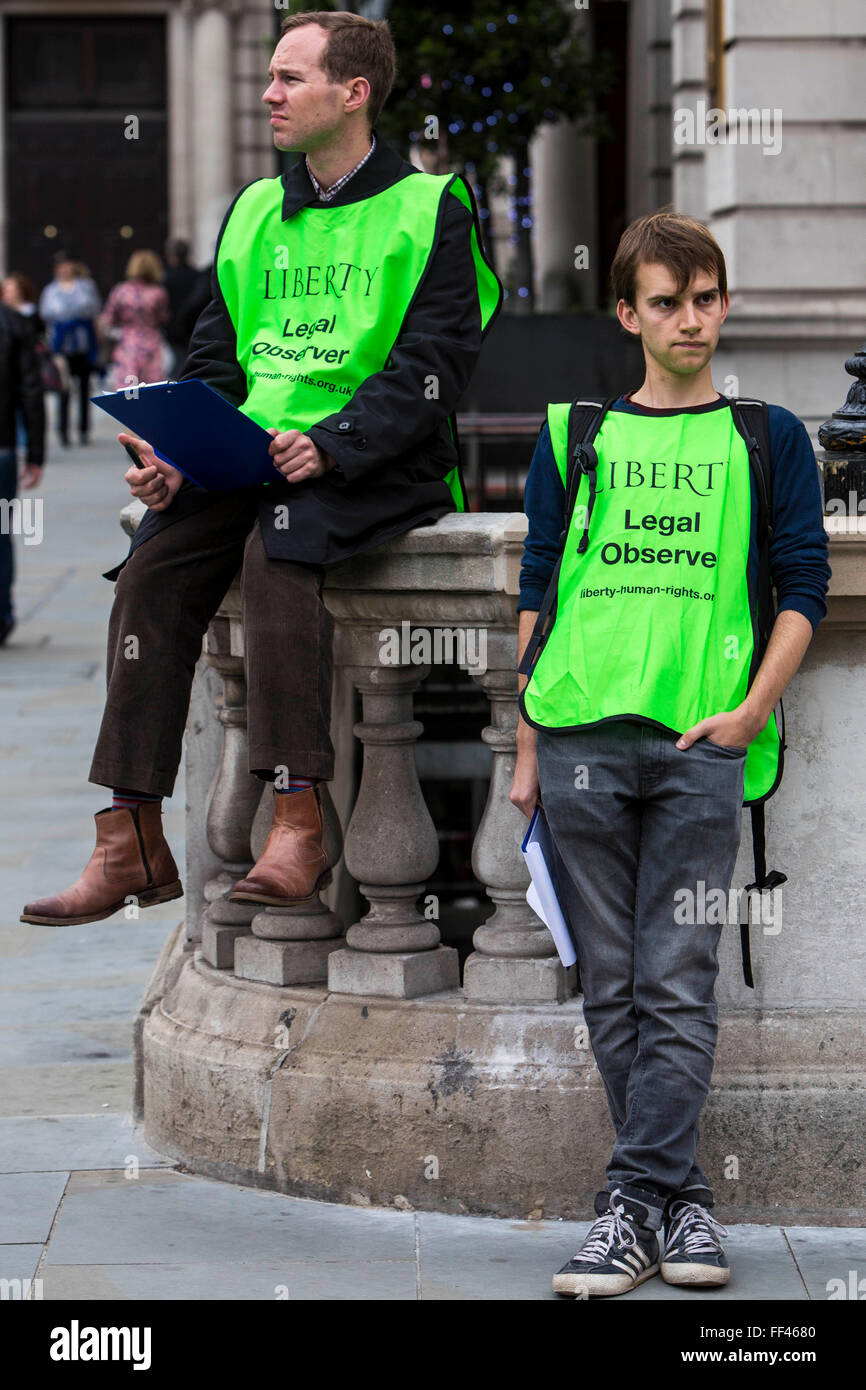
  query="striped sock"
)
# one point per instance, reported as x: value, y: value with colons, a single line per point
x: 122, y: 797
x: 297, y: 784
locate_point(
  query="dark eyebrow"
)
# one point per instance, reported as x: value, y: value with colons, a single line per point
x: 657, y: 298
x: 284, y: 72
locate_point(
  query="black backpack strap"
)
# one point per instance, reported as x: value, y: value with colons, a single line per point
x: 752, y: 419
x: 584, y: 422
x: 764, y: 882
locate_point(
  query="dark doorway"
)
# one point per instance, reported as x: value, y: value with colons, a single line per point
x: 86, y: 145
x: 610, y: 37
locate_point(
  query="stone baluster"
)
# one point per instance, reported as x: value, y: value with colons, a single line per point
x: 232, y: 802
x: 514, y: 960
x: 289, y: 945
x: 391, y: 849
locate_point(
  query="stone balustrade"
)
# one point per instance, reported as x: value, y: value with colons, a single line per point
x: 453, y: 586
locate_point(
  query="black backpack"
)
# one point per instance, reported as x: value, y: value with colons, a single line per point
x: 752, y: 420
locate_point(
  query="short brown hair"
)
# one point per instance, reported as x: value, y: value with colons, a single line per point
x: 144, y: 265
x: 357, y: 47
x: 680, y: 243
x: 27, y: 291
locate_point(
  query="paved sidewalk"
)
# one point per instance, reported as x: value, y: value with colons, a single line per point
x: 85, y: 1206
x: 89, y: 1210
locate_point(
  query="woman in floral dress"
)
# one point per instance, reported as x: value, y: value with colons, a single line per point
x: 136, y: 309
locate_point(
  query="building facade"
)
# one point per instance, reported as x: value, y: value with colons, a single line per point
x: 749, y: 117
x: 121, y: 124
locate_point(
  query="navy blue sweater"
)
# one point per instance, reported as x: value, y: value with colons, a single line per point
x: 798, y: 554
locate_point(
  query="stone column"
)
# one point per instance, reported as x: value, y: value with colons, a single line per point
x: 233, y: 800
x: 181, y: 150
x: 564, y: 216
x: 391, y: 849
x: 515, y: 960
x: 212, y: 167
x: 648, y: 93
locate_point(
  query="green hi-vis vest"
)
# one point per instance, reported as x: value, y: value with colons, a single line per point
x: 319, y: 300
x: 654, y: 621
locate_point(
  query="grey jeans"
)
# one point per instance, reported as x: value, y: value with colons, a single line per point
x: 636, y: 821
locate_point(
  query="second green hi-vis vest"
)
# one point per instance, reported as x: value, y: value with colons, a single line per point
x: 655, y: 621
x: 319, y: 300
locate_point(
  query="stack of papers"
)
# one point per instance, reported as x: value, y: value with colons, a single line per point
x: 539, y: 852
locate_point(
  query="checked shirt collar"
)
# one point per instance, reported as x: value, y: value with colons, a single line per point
x: 325, y: 195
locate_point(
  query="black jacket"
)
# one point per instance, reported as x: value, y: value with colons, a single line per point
x: 178, y: 281
x: 20, y: 384
x: 392, y: 445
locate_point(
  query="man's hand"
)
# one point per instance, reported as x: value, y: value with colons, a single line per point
x: 297, y: 457
x: 734, y: 729
x: 789, y: 640
x: 156, y: 484
x: 525, y: 790
x: 524, y: 787
x: 31, y: 474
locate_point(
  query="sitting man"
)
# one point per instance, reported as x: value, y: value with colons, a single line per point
x: 353, y: 281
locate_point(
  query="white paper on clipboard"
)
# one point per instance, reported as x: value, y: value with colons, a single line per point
x: 538, y: 851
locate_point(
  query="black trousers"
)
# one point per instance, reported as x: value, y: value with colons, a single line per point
x: 165, y: 596
x: 79, y: 370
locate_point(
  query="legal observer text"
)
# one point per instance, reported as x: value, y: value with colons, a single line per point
x: 612, y: 553
x: 298, y: 354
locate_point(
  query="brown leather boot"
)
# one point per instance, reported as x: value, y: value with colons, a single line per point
x: 303, y: 844
x: 131, y: 858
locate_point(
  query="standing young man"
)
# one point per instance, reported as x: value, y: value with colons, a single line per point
x: 350, y: 298
x: 643, y: 720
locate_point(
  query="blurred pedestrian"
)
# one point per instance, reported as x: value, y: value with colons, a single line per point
x: 199, y: 297
x: 20, y: 387
x: 20, y: 293
x: 136, y: 310
x: 179, y: 279
x: 69, y: 306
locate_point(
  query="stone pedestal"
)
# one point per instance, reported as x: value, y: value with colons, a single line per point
x: 499, y: 1109
x: 281, y: 962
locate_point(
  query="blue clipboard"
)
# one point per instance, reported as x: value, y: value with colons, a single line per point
x: 540, y: 854
x: 197, y: 431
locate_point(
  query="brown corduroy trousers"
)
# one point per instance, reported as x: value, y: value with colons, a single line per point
x: 166, y: 594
